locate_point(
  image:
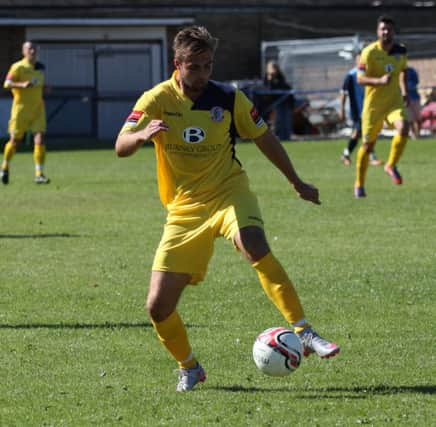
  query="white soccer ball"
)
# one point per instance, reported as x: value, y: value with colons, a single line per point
x: 277, y: 352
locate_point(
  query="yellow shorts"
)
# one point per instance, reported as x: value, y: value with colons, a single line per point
x: 25, y: 119
x: 189, y: 233
x: 372, y: 121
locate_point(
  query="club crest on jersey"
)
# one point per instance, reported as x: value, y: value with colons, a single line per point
x: 257, y: 118
x: 193, y: 135
x: 389, y: 68
x: 217, y: 114
x: 133, y: 117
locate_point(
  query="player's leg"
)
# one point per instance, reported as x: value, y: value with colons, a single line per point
x: 352, y: 142
x: 18, y: 124
x: 399, y: 119
x: 243, y: 225
x: 252, y: 243
x: 8, y: 153
x: 39, y: 149
x: 413, y: 110
x: 181, y: 259
x: 163, y: 295
x: 371, y: 126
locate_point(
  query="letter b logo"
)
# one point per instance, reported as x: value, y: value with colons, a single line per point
x: 193, y: 135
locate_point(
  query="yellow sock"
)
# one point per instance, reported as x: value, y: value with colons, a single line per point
x: 172, y: 334
x: 362, y: 162
x: 39, y: 158
x: 9, y: 152
x: 397, y: 147
x: 280, y: 290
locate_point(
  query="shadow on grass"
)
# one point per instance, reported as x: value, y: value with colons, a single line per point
x: 105, y: 325
x: 37, y: 236
x: 358, y: 392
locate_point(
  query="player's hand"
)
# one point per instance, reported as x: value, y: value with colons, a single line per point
x: 385, y: 79
x: 26, y: 84
x: 154, y: 127
x: 307, y: 192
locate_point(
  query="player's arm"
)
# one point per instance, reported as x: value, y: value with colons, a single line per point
x: 128, y: 142
x: 12, y: 81
x: 273, y: 150
x: 373, y: 81
x: 367, y: 80
x: 342, y: 99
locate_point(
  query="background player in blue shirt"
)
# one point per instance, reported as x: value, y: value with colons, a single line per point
x: 414, y: 101
x: 355, y: 93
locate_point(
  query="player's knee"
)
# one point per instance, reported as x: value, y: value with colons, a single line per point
x: 38, y: 138
x: 251, y: 241
x: 15, y: 142
x: 155, y: 310
x: 368, y: 147
x: 403, y: 128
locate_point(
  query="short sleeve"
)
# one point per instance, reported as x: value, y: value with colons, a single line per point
x: 249, y: 123
x: 145, y: 110
x: 363, y: 62
x: 13, y: 73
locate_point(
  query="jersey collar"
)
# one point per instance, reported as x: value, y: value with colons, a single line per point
x: 177, y: 88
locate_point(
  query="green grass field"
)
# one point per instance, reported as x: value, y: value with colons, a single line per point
x: 76, y: 345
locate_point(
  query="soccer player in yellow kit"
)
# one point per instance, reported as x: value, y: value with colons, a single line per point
x: 193, y: 122
x: 382, y: 72
x: 25, y: 78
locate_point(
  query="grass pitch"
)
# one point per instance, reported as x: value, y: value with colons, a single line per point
x: 77, y: 348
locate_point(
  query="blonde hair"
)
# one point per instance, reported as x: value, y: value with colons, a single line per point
x: 193, y: 41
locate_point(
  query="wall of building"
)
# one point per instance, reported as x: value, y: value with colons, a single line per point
x: 240, y: 25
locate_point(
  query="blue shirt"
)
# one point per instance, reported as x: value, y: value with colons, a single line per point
x: 412, y: 79
x: 355, y: 93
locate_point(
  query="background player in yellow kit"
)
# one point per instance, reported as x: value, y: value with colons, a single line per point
x: 25, y: 78
x: 192, y: 122
x: 382, y: 72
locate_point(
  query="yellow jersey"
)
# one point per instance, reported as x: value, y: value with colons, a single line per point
x: 196, y: 158
x: 375, y: 62
x: 22, y: 71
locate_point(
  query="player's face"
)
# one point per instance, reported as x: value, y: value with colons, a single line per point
x: 29, y: 51
x: 385, y: 32
x: 195, y: 71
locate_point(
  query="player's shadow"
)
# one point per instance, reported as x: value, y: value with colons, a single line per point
x: 78, y: 325
x: 81, y: 325
x: 38, y: 236
x: 357, y: 392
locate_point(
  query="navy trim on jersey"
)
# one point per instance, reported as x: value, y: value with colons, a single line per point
x: 398, y: 49
x: 39, y: 66
x: 222, y: 95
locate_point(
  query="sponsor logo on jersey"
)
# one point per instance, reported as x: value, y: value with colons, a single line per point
x: 133, y: 117
x: 389, y: 68
x: 257, y: 118
x: 217, y: 114
x: 171, y: 113
x: 193, y: 135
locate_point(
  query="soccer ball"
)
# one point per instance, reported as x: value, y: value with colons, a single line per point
x: 277, y: 352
